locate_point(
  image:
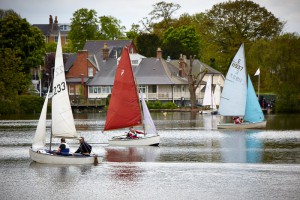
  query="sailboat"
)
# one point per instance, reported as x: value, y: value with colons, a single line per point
x: 125, y: 111
x: 63, y: 125
x: 209, y: 99
x: 238, y: 97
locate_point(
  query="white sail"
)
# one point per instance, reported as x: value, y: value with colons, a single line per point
x: 233, y: 98
x: 209, y: 99
x: 62, y: 116
x: 150, y: 128
x: 39, y: 140
x: 217, y: 92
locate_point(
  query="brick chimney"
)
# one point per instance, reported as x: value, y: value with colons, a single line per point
x: 50, y: 23
x: 158, y: 53
x: 105, y: 52
x: 181, y: 66
x: 55, y: 25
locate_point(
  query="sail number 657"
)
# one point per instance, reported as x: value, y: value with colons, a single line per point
x: 59, y: 87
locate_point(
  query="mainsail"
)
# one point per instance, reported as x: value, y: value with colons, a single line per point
x: 233, y: 98
x: 124, y: 107
x: 62, y: 117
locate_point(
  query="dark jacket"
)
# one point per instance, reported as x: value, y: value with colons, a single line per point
x: 84, y: 148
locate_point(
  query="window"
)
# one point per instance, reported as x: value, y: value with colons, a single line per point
x: 134, y: 62
x: 56, y: 38
x: 90, y: 72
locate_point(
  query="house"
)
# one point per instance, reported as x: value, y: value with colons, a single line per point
x: 82, y: 66
x: 50, y: 30
x: 90, y: 73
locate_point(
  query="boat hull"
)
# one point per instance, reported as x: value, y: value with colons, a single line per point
x: 246, y: 125
x: 47, y: 158
x: 144, y: 141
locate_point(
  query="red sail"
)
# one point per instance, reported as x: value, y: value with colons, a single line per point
x: 124, y: 108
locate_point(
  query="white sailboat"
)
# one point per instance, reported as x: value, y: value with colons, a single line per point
x: 62, y: 121
x: 125, y: 110
x: 238, y: 98
x: 209, y: 98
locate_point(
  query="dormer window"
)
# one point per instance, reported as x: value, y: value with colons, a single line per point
x: 90, y: 72
x: 134, y: 62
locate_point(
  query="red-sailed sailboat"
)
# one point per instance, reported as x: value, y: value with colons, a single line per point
x: 124, y: 109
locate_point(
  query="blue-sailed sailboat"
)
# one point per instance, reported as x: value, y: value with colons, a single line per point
x: 238, y: 97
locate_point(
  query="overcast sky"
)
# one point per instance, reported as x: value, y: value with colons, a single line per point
x: 132, y: 11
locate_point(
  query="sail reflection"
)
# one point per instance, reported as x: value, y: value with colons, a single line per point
x: 241, y: 147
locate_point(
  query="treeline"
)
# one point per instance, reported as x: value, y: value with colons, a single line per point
x: 213, y: 36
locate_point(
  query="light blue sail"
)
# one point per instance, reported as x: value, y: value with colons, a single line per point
x: 253, y: 111
x: 233, y: 97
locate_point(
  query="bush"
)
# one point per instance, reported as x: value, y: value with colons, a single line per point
x: 29, y: 104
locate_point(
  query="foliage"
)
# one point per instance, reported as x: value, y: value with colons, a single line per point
x: 181, y: 40
x: 279, y: 61
x: 147, y: 44
x: 29, y: 104
x: 133, y: 32
x: 12, y: 79
x: 160, y: 105
x: 83, y: 27
x: 228, y: 24
x: 111, y: 28
x: 26, y: 41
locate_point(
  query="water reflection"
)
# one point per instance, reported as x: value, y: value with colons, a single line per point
x: 131, y: 154
x: 241, y: 147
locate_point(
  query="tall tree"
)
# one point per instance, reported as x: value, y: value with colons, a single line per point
x: 280, y: 64
x: 26, y: 41
x: 181, y: 40
x: 147, y: 44
x: 84, y: 26
x: 111, y: 28
x: 228, y: 24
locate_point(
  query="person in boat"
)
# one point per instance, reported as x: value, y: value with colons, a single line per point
x: 84, y: 148
x: 241, y: 120
x: 132, y: 133
x: 236, y: 120
x: 63, y: 148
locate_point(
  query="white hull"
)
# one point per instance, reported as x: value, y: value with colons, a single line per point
x: 62, y: 160
x: 144, y: 141
x: 246, y: 125
x: 212, y: 112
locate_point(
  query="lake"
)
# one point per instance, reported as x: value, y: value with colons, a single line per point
x: 194, y: 161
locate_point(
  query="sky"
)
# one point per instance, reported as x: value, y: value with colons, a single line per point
x: 133, y: 11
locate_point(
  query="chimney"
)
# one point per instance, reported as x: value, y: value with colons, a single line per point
x: 158, y: 53
x: 181, y: 66
x: 55, y: 25
x: 50, y: 22
x: 105, y: 52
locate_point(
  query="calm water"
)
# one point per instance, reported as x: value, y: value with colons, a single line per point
x: 194, y: 161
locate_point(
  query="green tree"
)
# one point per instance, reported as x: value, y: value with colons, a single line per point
x: 133, y: 32
x: 26, y: 41
x: 12, y: 75
x: 111, y: 28
x: 83, y: 27
x: 224, y: 27
x: 147, y: 44
x: 279, y: 60
x: 181, y: 40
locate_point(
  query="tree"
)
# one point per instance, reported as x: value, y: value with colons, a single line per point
x: 181, y: 40
x: 111, y: 28
x: 133, y: 32
x: 280, y: 63
x: 162, y: 13
x: 26, y: 41
x: 12, y: 77
x: 194, y: 80
x: 239, y: 21
x: 147, y: 44
x: 83, y: 27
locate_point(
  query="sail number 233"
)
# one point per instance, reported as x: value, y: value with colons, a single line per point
x: 59, y: 87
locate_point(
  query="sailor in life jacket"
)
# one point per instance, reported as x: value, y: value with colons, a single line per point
x: 63, y: 148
